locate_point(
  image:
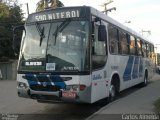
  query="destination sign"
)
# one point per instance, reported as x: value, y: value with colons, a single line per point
x: 57, y: 15
x: 54, y: 14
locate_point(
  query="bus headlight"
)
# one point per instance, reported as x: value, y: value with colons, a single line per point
x: 22, y: 85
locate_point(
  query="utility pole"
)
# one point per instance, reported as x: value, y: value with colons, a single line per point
x: 27, y: 8
x: 105, y: 6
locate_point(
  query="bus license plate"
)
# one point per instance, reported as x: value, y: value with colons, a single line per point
x: 69, y: 94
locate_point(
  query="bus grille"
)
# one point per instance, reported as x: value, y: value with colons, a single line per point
x: 49, y: 88
x: 50, y: 83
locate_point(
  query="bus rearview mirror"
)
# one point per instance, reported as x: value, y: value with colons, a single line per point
x: 102, y: 34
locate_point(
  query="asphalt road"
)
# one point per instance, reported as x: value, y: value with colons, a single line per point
x: 10, y: 103
x: 132, y: 102
x: 27, y: 109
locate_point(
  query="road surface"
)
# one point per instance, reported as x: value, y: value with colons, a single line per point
x: 133, y: 100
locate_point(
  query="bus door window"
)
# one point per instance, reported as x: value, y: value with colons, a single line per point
x: 98, y: 48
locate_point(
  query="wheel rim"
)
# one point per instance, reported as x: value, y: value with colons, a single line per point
x: 112, y: 92
x: 145, y: 80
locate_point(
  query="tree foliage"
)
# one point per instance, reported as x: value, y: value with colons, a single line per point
x: 10, y: 16
x: 45, y: 4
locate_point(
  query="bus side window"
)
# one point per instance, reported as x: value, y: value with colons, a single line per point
x: 113, y: 39
x: 124, y: 46
x: 144, y: 49
x: 132, y: 45
x: 139, y: 47
x: 152, y: 54
x: 147, y: 50
x: 152, y: 51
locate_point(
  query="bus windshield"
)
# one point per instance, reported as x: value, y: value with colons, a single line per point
x: 59, y: 46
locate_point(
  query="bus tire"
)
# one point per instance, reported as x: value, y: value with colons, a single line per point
x: 145, y: 81
x: 112, y: 93
x: 114, y: 88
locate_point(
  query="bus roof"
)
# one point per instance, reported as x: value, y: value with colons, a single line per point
x: 78, y: 11
x: 116, y: 23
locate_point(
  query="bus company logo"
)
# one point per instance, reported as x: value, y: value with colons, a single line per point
x: 57, y: 15
x: 44, y: 84
x: 97, y: 77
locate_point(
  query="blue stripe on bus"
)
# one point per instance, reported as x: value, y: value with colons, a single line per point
x: 128, y: 69
x: 42, y: 78
x: 33, y: 80
x: 57, y: 80
x: 135, y: 68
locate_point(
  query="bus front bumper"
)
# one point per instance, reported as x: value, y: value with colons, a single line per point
x: 48, y: 96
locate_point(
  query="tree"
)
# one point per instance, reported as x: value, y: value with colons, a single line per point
x: 10, y: 15
x: 4, y: 11
x: 45, y: 4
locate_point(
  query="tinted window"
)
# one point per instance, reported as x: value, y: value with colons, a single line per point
x: 98, y: 49
x: 132, y: 45
x: 144, y: 49
x: 139, y: 47
x: 113, y: 39
x: 147, y: 49
x: 124, y: 48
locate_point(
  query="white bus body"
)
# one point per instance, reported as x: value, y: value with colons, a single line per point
x: 104, y: 72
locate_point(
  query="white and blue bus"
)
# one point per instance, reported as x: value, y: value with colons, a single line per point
x: 79, y: 54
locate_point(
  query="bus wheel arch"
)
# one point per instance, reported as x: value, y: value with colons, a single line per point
x: 114, y: 87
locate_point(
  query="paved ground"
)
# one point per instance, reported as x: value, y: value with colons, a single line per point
x: 10, y: 103
x: 134, y: 100
x: 139, y: 101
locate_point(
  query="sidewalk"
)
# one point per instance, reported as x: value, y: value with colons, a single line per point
x: 139, y: 102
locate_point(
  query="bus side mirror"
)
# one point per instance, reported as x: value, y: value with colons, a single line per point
x: 102, y: 33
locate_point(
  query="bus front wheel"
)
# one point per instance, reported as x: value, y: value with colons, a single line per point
x: 145, y: 80
x: 112, y: 93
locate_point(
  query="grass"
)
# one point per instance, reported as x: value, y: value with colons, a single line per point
x: 157, y: 106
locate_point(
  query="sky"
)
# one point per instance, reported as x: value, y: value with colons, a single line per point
x: 144, y: 15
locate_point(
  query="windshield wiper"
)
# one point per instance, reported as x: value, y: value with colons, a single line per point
x: 61, y: 27
x: 41, y: 32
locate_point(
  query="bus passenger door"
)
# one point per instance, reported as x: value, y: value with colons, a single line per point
x: 99, y: 58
